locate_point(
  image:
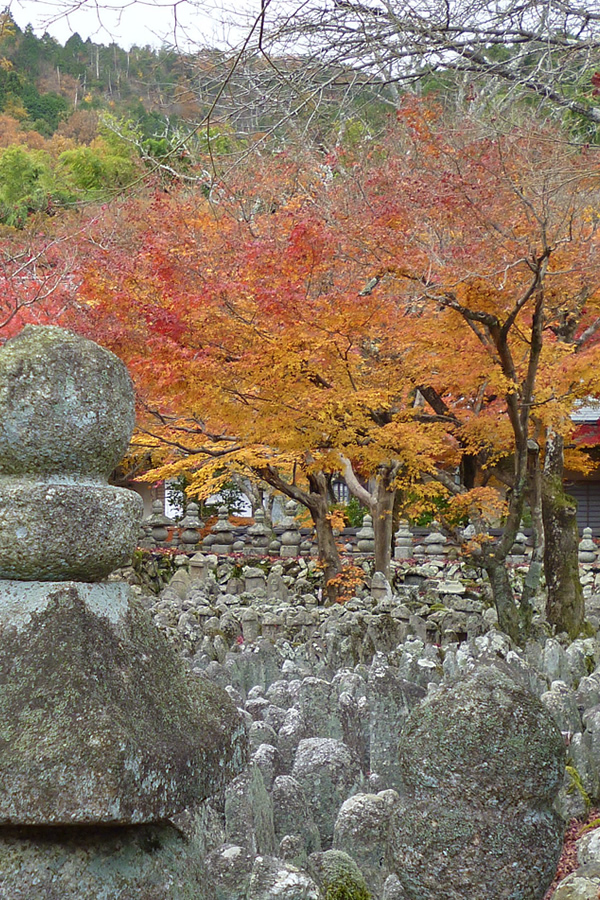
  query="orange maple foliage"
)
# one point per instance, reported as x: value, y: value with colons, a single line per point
x: 491, y: 241
x: 431, y: 306
x: 247, y: 331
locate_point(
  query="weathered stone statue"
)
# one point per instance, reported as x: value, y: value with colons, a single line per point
x: 99, y: 726
x: 481, y: 762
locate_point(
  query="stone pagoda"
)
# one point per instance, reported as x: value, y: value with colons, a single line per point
x: 105, y: 742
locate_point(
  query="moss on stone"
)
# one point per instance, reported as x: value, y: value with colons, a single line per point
x: 576, y: 785
x: 472, y: 727
x: 482, y: 762
x: 100, y: 723
x: 66, y: 405
x: 153, y: 862
x: 339, y: 876
x: 588, y: 631
x: 345, y: 888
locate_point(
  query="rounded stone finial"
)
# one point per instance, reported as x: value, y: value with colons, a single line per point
x: 66, y: 417
x: 66, y: 405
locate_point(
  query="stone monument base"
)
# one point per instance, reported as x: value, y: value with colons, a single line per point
x: 153, y: 862
x: 99, y: 722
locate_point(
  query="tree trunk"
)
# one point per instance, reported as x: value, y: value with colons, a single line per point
x: 383, y: 526
x: 328, y: 551
x: 536, y: 566
x: 316, y: 501
x: 380, y: 503
x: 508, y: 614
x: 318, y: 507
x: 511, y: 619
x: 565, y: 607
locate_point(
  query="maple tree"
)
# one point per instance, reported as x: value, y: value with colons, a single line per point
x: 380, y: 503
x: 491, y: 242
x: 423, y: 313
x: 38, y: 263
x: 484, y: 52
x: 249, y: 344
x: 36, y: 286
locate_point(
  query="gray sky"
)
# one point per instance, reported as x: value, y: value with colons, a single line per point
x: 186, y: 22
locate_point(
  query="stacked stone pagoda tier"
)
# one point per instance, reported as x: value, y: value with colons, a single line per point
x: 66, y: 417
x: 98, y: 722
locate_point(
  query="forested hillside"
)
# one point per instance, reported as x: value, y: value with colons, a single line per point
x: 44, y: 84
x: 80, y: 122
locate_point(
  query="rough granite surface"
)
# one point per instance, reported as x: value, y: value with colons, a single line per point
x: 66, y: 416
x: 147, y: 862
x: 66, y: 405
x: 99, y: 723
x: 482, y: 761
x: 74, y: 532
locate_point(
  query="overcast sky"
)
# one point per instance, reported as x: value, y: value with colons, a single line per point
x: 127, y: 22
